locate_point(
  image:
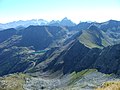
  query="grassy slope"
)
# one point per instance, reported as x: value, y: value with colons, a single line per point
x: 78, y: 75
x: 90, y: 39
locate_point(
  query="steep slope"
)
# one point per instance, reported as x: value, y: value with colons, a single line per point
x: 72, y: 57
x: 16, y: 59
x: 77, y: 57
x: 5, y: 34
x: 78, y: 53
x: 108, y: 60
x: 94, y: 37
x: 20, y: 46
x: 111, y: 25
x: 35, y: 36
x: 83, y: 25
x: 112, y: 29
x: 40, y: 37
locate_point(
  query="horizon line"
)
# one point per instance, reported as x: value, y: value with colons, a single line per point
x: 57, y: 20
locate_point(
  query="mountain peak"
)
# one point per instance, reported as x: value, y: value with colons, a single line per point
x: 93, y: 27
x: 112, y: 20
x: 65, y: 19
x: 67, y: 22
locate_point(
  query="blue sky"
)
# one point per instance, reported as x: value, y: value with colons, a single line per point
x: 76, y: 10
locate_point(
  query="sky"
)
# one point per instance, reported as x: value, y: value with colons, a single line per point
x: 76, y: 10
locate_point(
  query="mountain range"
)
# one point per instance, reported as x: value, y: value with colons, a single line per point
x: 60, y: 50
x: 23, y: 24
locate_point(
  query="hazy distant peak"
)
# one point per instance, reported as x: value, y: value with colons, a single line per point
x: 53, y: 21
x: 67, y: 22
x: 65, y: 18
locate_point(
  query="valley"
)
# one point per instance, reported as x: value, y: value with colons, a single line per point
x: 60, y: 56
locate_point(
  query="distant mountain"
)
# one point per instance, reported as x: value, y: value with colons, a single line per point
x: 54, y: 23
x: 64, y: 22
x: 21, y: 23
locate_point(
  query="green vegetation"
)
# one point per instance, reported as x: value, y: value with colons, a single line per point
x: 78, y: 75
x: 104, y: 43
x: 88, y: 39
x: 13, y: 81
x: 95, y: 39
